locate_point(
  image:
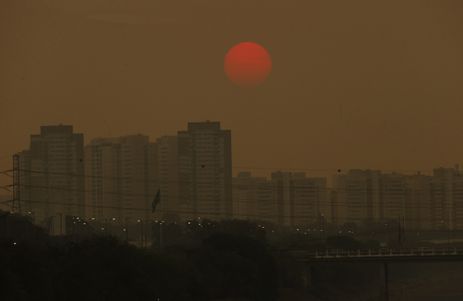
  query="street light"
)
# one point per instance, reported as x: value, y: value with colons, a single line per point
x: 142, y: 240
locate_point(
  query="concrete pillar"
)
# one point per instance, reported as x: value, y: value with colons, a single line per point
x: 384, y: 281
x: 307, y: 277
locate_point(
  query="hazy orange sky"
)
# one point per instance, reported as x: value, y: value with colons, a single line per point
x: 354, y: 83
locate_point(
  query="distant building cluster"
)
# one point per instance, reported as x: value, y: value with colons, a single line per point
x: 421, y: 202
x: 362, y: 197
x: 117, y: 179
x: 287, y: 198
x: 189, y: 176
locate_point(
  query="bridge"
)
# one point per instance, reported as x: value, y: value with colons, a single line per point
x: 382, y: 257
x: 378, y: 255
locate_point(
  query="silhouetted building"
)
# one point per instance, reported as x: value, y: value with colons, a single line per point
x: 358, y: 196
x: 301, y: 200
x: 418, y: 206
x: 152, y: 173
x: 253, y: 198
x: 121, y: 178
x: 417, y: 202
x: 52, y: 174
x: 169, y: 207
x: 447, y: 199
x: 392, y: 196
x: 205, y: 170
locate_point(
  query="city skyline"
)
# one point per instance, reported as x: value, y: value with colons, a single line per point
x: 117, y: 178
x: 342, y: 93
x: 253, y: 150
x: 264, y: 171
x: 114, y: 178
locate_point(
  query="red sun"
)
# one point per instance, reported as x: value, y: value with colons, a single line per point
x: 247, y: 64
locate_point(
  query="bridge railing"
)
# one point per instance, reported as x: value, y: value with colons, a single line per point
x: 383, y: 252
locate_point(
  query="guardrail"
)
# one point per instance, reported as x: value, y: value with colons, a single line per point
x: 378, y: 253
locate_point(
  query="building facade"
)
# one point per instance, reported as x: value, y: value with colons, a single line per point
x: 253, y: 198
x: 447, y: 199
x: 416, y: 202
x: 120, y: 178
x: 169, y: 208
x: 418, y: 206
x: 301, y: 200
x: 52, y: 174
x: 205, y: 171
x: 358, y: 196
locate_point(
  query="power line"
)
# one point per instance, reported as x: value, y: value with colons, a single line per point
x: 328, y: 202
x: 310, y: 186
x: 145, y: 180
x: 5, y: 188
x: 332, y: 169
x: 209, y: 213
x: 6, y: 172
x: 397, y: 205
x: 325, y: 169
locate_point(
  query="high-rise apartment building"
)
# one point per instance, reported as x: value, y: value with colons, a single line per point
x: 301, y: 200
x: 358, y: 196
x: 392, y: 196
x: 253, y: 198
x: 266, y: 205
x: 205, y: 170
x: 169, y: 207
x: 121, y: 178
x: 282, y: 193
x: 311, y: 205
x: 51, y: 173
x: 418, y: 206
x: 417, y: 202
x: 447, y: 199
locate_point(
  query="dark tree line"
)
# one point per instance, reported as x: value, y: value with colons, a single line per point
x: 220, y: 265
x: 207, y: 260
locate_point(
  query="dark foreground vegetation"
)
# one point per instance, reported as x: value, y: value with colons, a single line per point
x: 229, y: 260
x: 219, y: 266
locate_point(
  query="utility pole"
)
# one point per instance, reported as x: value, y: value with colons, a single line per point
x: 403, y: 228
x: 16, y: 204
x: 141, y: 234
x: 126, y: 229
x: 156, y: 201
x: 143, y: 239
x: 385, y: 274
x: 160, y: 234
x: 60, y: 224
x: 400, y: 232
